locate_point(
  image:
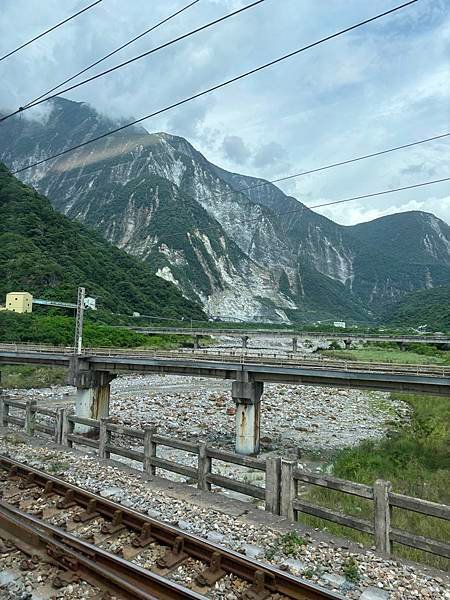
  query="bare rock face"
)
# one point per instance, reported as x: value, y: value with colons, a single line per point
x: 235, y: 243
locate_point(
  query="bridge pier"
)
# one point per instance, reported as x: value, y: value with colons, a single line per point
x: 196, y: 342
x: 93, y: 392
x: 348, y: 344
x: 294, y: 344
x: 247, y: 396
x: 244, y: 342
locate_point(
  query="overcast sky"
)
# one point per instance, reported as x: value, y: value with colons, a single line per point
x: 385, y: 84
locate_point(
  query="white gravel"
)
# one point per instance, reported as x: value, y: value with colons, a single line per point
x: 295, y: 419
x: 313, y: 560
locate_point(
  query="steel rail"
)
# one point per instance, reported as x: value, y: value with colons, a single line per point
x: 275, y: 580
x: 90, y: 562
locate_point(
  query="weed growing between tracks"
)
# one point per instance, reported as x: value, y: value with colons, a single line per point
x: 416, y: 460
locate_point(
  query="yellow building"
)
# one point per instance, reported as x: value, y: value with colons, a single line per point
x: 19, y: 302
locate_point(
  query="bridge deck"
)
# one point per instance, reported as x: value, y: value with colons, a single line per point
x: 426, y: 380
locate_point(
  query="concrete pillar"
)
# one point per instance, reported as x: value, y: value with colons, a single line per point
x: 93, y: 402
x: 244, y: 341
x: 402, y: 346
x: 196, y: 342
x: 347, y: 343
x: 93, y: 392
x: 294, y: 344
x: 247, y: 396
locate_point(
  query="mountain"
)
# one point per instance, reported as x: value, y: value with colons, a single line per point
x: 49, y: 255
x: 429, y: 308
x: 236, y: 244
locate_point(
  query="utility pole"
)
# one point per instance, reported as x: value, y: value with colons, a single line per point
x: 78, y: 344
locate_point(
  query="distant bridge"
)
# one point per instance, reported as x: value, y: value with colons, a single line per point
x: 246, y: 334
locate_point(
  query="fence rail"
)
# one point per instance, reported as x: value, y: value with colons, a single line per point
x: 282, y: 478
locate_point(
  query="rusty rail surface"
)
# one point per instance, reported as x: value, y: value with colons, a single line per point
x: 265, y: 580
x: 87, y: 561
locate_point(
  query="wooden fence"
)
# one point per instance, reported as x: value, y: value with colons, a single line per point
x: 282, y: 477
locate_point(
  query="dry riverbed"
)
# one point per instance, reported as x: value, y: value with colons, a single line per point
x: 295, y: 419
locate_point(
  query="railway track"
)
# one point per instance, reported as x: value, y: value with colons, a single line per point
x: 123, y: 551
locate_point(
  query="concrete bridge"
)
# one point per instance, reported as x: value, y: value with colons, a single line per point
x: 92, y: 372
x: 295, y: 336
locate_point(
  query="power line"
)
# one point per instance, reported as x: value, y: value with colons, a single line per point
x: 358, y: 158
x: 265, y: 183
x: 218, y: 86
x: 131, y: 60
x: 406, y: 187
x: 51, y: 29
x: 97, y: 62
x: 323, y: 204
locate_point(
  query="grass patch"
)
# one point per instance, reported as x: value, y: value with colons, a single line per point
x: 388, y: 355
x: 415, y: 460
x: 25, y: 377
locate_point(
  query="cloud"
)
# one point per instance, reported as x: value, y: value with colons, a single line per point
x: 376, y: 87
x: 269, y: 155
x: 350, y: 214
x: 235, y: 149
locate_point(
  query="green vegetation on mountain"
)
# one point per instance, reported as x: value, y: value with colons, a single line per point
x: 430, y: 308
x: 48, y: 255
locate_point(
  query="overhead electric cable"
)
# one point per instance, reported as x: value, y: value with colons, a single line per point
x: 265, y: 182
x: 51, y: 29
x: 131, y: 60
x: 97, y: 62
x: 218, y: 86
x: 358, y: 158
x: 323, y: 204
x: 400, y: 189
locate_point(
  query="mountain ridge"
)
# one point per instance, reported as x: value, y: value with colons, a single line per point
x: 240, y: 250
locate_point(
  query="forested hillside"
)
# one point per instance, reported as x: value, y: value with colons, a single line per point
x: 427, y: 307
x: 47, y: 254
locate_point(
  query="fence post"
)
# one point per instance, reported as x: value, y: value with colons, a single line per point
x: 382, y: 516
x: 59, y: 424
x: 149, y: 450
x: 204, y: 467
x: 30, y: 416
x: 67, y: 429
x: 273, y: 485
x: 288, y: 489
x: 4, y: 411
x: 104, y: 438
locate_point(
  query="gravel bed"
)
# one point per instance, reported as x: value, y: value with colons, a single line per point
x: 19, y: 581
x: 295, y: 419
x: 323, y: 563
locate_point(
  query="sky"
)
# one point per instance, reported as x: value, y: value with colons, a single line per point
x: 382, y: 85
